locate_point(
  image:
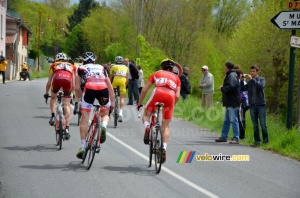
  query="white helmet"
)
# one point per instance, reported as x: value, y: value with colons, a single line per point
x: 60, y: 56
x: 88, y: 57
x: 119, y: 59
x: 25, y: 63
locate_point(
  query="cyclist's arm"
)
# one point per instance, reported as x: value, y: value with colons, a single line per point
x: 144, y: 92
x: 48, y: 85
x: 110, y: 91
x: 77, y: 86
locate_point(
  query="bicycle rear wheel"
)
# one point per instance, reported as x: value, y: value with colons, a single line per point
x: 150, y: 146
x: 87, y: 140
x: 93, y: 148
x: 158, y: 145
x: 60, y: 134
x: 116, y: 113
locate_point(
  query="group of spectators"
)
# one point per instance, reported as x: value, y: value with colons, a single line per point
x: 240, y: 92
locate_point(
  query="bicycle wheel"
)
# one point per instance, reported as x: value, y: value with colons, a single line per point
x: 150, y: 146
x: 158, y: 145
x: 93, y: 148
x: 60, y: 129
x: 87, y: 139
x: 116, y: 112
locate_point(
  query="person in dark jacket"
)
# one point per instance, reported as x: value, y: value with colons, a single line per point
x: 231, y: 100
x: 185, y: 83
x: 257, y: 102
x: 133, y: 83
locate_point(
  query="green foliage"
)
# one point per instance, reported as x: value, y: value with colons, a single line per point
x: 150, y: 56
x: 76, y: 44
x: 33, y: 53
x: 81, y: 12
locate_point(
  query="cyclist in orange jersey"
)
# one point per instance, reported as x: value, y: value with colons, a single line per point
x: 62, y: 76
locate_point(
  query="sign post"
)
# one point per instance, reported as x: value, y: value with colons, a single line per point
x: 289, y: 20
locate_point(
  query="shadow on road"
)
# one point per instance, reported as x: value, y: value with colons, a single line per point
x: 132, y: 169
x: 40, y: 147
x: 75, y: 166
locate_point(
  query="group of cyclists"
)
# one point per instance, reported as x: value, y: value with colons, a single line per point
x: 91, y: 81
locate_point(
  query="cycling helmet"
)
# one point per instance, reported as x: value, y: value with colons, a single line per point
x: 167, y: 63
x: 60, y: 56
x: 88, y: 57
x: 119, y: 59
x: 24, y: 62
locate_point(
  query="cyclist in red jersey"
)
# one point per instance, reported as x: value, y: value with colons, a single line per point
x: 61, y: 77
x: 96, y: 86
x: 167, y: 91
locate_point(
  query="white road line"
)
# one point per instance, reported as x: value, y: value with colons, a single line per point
x: 184, y: 180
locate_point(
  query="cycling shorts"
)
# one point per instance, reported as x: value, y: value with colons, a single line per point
x: 62, y: 80
x: 121, y: 82
x: 89, y: 96
x: 162, y: 95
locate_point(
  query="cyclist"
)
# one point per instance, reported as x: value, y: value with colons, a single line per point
x: 62, y: 76
x: 167, y: 91
x: 97, y: 86
x: 119, y: 77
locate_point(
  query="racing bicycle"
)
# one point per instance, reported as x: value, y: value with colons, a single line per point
x: 60, y: 121
x: 93, y: 136
x: 156, y: 140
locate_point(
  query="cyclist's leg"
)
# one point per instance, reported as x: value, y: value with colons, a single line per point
x: 86, y: 106
x: 54, y: 89
x: 67, y: 86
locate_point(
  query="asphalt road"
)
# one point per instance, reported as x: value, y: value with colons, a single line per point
x: 31, y: 166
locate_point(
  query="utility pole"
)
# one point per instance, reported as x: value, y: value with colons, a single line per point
x: 140, y: 19
x: 39, y: 38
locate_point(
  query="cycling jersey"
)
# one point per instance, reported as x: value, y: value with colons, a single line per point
x: 93, y: 78
x: 119, y: 73
x: 63, y: 74
x: 166, y: 85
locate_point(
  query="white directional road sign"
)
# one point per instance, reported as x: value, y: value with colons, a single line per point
x: 287, y: 20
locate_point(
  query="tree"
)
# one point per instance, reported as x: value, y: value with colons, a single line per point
x: 73, y: 45
x: 229, y: 13
x: 81, y: 12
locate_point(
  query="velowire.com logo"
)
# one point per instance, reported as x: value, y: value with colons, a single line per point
x: 189, y: 156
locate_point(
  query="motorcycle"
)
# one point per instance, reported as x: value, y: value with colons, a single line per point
x: 24, y: 74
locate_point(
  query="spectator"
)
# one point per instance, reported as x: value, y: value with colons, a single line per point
x: 207, y: 86
x: 3, y: 64
x: 231, y: 100
x: 185, y: 83
x: 244, y: 104
x: 141, y: 79
x: 133, y: 88
x: 257, y: 102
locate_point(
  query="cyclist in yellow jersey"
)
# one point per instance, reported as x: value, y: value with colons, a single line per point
x: 119, y: 77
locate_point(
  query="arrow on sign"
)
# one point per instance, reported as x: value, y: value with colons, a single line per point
x: 287, y: 20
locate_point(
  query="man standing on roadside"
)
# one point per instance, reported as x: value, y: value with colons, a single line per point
x: 185, y: 84
x: 231, y: 101
x: 257, y: 102
x: 133, y: 81
x: 207, y: 86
